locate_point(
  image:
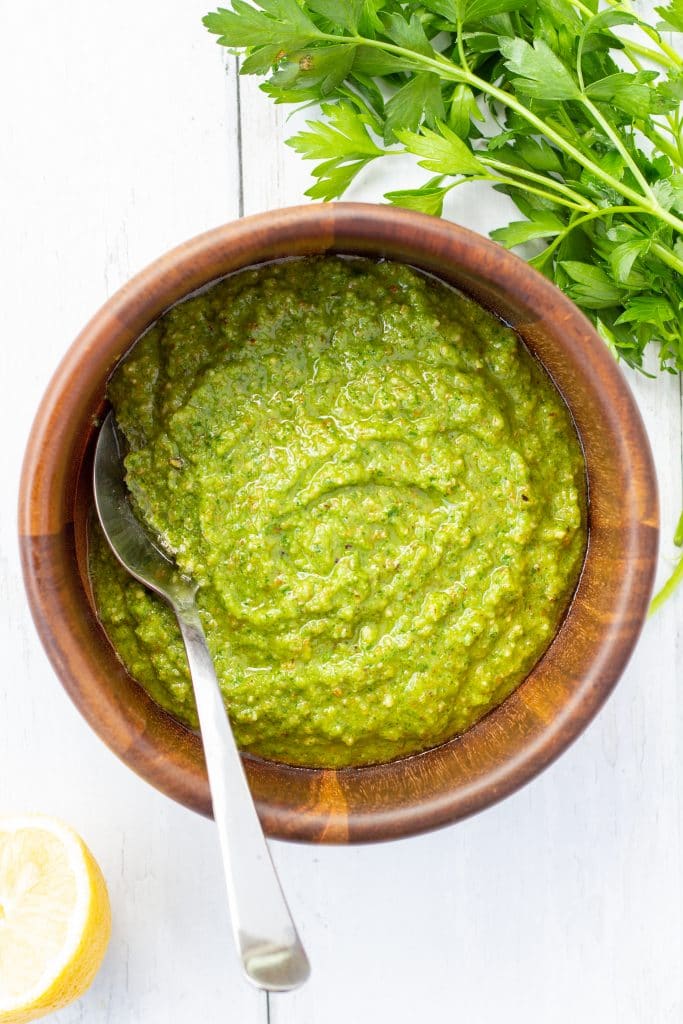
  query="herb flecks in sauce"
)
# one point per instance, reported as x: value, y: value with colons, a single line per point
x: 378, y: 490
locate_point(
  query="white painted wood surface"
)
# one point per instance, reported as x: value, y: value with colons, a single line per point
x: 562, y: 904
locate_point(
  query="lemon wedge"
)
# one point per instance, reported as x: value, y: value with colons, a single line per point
x: 55, y: 918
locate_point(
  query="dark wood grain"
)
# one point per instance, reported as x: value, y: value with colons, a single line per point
x: 509, y: 746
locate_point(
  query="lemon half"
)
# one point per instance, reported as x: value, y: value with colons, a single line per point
x: 55, y: 918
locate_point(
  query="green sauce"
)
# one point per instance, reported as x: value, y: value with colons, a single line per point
x: 379, y: 491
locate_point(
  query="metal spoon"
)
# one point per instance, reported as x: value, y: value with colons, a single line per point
x: 265, y: 935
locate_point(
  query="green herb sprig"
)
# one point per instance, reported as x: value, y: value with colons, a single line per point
x: 570, y: 107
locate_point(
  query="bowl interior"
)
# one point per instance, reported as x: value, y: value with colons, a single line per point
x: 513, y: 742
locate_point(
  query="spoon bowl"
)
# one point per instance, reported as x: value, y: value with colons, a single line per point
x: 135, y: 548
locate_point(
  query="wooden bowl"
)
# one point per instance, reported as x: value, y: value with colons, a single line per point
x: 511, y: 744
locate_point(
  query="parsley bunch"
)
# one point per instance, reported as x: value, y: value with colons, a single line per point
x: 570, y: 107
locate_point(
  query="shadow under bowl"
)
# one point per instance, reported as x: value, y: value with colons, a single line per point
x: 512, y: 743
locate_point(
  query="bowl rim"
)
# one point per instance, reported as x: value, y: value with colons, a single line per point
x: 414, y: 792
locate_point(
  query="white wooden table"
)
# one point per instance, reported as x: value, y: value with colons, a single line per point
x: 120, y: 138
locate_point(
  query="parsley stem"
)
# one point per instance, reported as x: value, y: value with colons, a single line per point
x: 674, y: 57
x: 504, y: 180
x: 668, y: 589
x: 648, y: 30
x: 513, y: 183
x: 595, y: 214
x: 653, y: 55
x: 657, y: 211
x: 667, y: 256
x: 578, y: 201
x: 666, y: 147
x: 461, y: 47
x: 678, y: 535
x: 619, y: 146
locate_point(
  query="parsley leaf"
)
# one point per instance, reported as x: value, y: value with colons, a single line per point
x: 420, y: 98
x: 408, y: 33
x: 591, y: 285
x: 541, y: 73
x: 278, y: 22
x: 442, y: 151
x: 463, y: 110
x: 345, y: 13
x: 318, y: 68
x: 544, y: 225
x: 632, y: 93
x: 428, y: 199
x: 672, y: 16
x: 623, y: 256
x: 342, y: 142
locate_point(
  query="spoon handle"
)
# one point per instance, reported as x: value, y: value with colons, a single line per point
x: 265, y: 935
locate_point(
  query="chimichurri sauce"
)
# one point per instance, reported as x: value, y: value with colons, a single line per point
x: 379, y: 491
